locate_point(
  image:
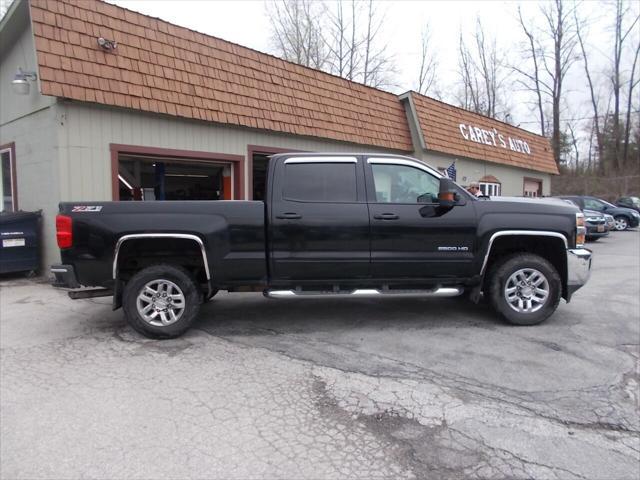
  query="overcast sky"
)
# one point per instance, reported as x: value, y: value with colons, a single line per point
x: 246, y: 22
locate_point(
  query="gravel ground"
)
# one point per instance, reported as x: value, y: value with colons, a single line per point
x: 326, y: 388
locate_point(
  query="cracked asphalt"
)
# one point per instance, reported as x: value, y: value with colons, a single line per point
x: 326, y: 388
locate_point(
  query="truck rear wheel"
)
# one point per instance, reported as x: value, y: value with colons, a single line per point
x: 161, y: 301
x: 524, y: 288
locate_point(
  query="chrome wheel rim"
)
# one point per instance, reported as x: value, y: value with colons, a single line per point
x: 160, y: 303
x: 621, y: 223
x: 526, y: 290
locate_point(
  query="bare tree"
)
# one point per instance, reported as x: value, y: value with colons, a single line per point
x: 341, y: 40
x: 632, y: 84
x: 562, y: 33
x: 469, y: 98
x: 592, y: 89
x: 427, y: 76
x: 620, y: 36
x: 297, y: 33
x: 612, y: 131
x: 532, y: 81
x: 574, y: 144
x: 325, y: 35
x: 551, y: 48
x: 482, y: 76
x: 378, y: 65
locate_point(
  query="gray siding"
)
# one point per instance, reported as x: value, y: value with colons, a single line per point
x: 85, y: 161
x: 13, y: 106
x: 29, y: 121
x: 36, y: 170
x: 469, y: 171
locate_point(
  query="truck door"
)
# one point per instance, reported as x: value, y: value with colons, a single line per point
x: 411, y: 235
x: 319, y: 221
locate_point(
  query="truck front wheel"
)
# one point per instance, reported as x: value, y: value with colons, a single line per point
x: 524, y: 288
x: 161, y: 301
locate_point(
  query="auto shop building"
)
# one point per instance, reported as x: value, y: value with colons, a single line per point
x: 98, y: 102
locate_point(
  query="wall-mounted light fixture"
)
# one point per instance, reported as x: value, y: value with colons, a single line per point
x: 108, y: 45
x: 20, y: 82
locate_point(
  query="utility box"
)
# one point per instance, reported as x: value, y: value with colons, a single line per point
x: 19, y: 241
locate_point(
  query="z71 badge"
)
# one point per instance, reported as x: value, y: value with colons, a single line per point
x: 86, y: 208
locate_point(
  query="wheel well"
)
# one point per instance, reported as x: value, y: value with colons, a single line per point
x: 552, y: 249
x: 138, y: 253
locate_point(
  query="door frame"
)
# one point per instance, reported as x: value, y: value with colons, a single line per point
x: 251, y: 150
x: 236, y: 161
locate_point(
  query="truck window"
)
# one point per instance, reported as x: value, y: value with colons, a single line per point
x: 320, y: 182
x: 404, y: 184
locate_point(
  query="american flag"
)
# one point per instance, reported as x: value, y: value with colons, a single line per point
x: 451, y: 171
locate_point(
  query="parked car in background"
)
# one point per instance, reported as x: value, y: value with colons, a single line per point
x: 629, y: 202
x: 595, y: 222
x: 624, y: 217
x: 611, y: 222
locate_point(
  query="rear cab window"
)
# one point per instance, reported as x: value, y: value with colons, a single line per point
x: 330, y: 180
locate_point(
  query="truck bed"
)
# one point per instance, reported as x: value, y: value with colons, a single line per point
x: 233, y: 233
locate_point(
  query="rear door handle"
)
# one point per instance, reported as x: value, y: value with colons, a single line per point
x: 386, y: 216
x: 289, y: 216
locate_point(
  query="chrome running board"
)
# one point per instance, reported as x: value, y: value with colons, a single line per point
x: 366, y: 292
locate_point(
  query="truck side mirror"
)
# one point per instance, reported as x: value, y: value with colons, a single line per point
x: 447, y: 196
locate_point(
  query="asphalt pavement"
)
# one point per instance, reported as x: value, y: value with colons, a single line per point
x: 326, y: 388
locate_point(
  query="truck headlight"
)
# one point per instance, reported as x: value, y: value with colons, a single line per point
x: 581, y: 231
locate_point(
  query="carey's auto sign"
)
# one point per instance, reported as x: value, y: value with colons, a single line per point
x: 493, y: 138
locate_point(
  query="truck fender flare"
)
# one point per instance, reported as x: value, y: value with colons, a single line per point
x: 184, y: 236
x: 532, y: 233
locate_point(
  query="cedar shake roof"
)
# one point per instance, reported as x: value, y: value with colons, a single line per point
x: 440, y: 125
x: 162, y: 68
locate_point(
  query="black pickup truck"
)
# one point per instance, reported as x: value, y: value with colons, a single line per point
x: 331, y: 224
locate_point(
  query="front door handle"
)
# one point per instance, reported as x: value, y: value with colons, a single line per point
x: 386, y: 216
x: 289, y: 216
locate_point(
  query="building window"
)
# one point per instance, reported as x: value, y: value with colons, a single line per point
x: 8, y: 191
x: 491, y: 189
x: 532, y: 187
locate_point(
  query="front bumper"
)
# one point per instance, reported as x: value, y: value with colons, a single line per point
x: 578, y: 269
x: 65, y: 276
x: 592, y: 231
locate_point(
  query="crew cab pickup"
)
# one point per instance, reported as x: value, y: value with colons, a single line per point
x: 331, y: 224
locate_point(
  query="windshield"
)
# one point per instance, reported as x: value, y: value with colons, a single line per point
x: 607, y: 203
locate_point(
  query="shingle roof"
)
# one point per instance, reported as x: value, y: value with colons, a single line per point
x: 160, y: 67
x: 440, y: 124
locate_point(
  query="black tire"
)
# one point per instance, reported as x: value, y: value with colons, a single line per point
x: 163, y: 272
x: 622, y: 223
x: 501, y: 272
